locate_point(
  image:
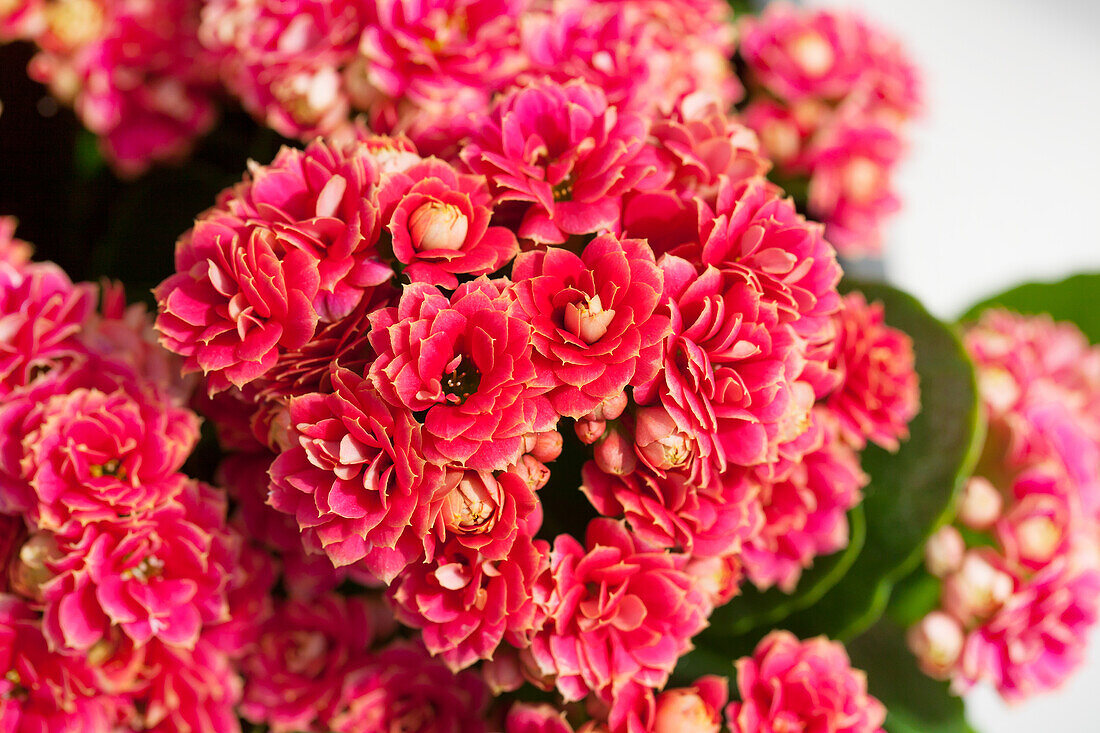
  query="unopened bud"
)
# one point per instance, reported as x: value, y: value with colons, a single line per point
x: 981, y: 503
x: 532, y: 471
x: 588, y: 320
x: 944, y: 552
x: 684, y: 711
x: 438, y: 226
x: 547, y: 446
x: 589, y: 430
x: 937, y: 641
x: 660, y: 443
x: 472, y: 506
x: 977, y: 589
x: 614, y: 453
x: 30, y: 572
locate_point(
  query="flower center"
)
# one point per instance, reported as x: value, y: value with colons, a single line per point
x: 461, y: 382
x: 813, y: 53
x: 75, y: 22
x: 111, y: 468
x: 588, y: 320
x: 149, y: 568
x: 18, y: 691
x: 563, y: 191
x: 471, y: 506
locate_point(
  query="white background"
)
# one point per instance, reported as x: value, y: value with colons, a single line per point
x: 1002, y: 185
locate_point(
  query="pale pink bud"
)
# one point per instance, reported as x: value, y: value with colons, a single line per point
x: 812, y: 52
x: 472, y: 506
x: 981, y: 503
x: 614, y: 453
x: 589, y: 430
x: 29, y: 571
x: 547, y: 446
x: 684, y: 711
x: 588, y: 321
x: 531, y: 470
x: 937, y: 641
x: 659, y: 442
x: 438, y: 226
x: 1034, y: 530
x: 977, y: 589
x: 612, y: 407
x: 503, y: 672
x: 944, y: 552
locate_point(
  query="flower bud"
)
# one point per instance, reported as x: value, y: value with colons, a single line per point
x: 531, y: 470
x: 813, y: 52
x: 612, y: 407
x: 438, y: 226
x: 937, y: 641
x: 1034, y: 530
x: 943, y: 554
x: 719, y: 578
x: 684, y: 711
x: 547, y: 446
x: 472, y: 506
x: 589, y: 430
x: 981, y: 503
x: 588, y: 321
x: 614, y: 453
x: 977, y: 589
x: 29, y: 572
x: 503, y: 672
x: 660, y: 444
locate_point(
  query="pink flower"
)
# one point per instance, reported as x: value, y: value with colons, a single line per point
x: 670, y: 510
x: 879, y: 394
x: 1038, y: 637
x: 41, y: 314
x: 1043, y: 522
x: 595, y: 323
x: 284, y: 60
x: 467, y: 361
x: 805, y: 510
x: 536, y: 718
x: 620, y: 612
x: 44, y: 690
x: 189, y: 689
x: 485, y: 512
x: 561, y: 156
x: 405, y: 689
x: 798, y: 55
x: 160, y: 574
x: 808, y: 685
x: 355, y: 479
x: 425, y: 50
x: 850, y: 182
x: 937, y: 642
x: 695, y: 709
x: 293, y: 677
x: 467, y: 604
x: 439, y: 220
x: 96, y: 456
x: 730, y: 366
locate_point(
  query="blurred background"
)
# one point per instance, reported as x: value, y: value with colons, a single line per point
x: 1002, y: 185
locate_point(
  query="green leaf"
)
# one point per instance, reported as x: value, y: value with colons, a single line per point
x: 1072, y: 299
x: 912, y: 491
x: 765, y: 609
x: 915, y: 703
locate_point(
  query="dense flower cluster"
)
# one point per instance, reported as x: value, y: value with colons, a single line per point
x: 1021, y: 592
x: 829, y: 96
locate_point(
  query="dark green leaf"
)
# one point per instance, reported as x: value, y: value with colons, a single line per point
x: 915, y: 703
x: 1072, y: 299
x: 911, y: 491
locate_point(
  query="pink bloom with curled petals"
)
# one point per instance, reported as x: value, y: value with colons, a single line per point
x: 809, y: 685
x: 466, y: 362
x: 160, y: 574
x: 487, y: 512
x: 595, y: 318
x: 879, y: 394
x: 355, y: 479
x: 294, y: 673
x: 805, y: 509
x: 190, y: 689
x: 405, y: 689
x: 561, y: 156
x: 621, y: 612
x: 439, y: 221
x: 466, y: 604
x: 97, y: 456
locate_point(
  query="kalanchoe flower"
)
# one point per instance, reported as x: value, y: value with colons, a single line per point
x: 355, y: 479
x: 97, y: 456
x: 160, y: 574
x: 595, y: 320
x: 466, y: 604
x: 1043, y: 522
x: 943, y: 553
x: 937, y: 642
x: 878, y: 394
x: 788, y: 683
x: 42, y: 690
x: 536, y: 718
x: 189, y: 689
x: 41, y: 313
x: 695, y: 709
x: 466, y: 362
x: 405, y: 689
x: 805, y: 509
x: 561, y: 155
x: 439, y: 221
x: 1038, y: 637
x: 428, y: 50
x: 484, y: 511
x: 979, y: 588
x: 620, y: 612
x: 294, y: 674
